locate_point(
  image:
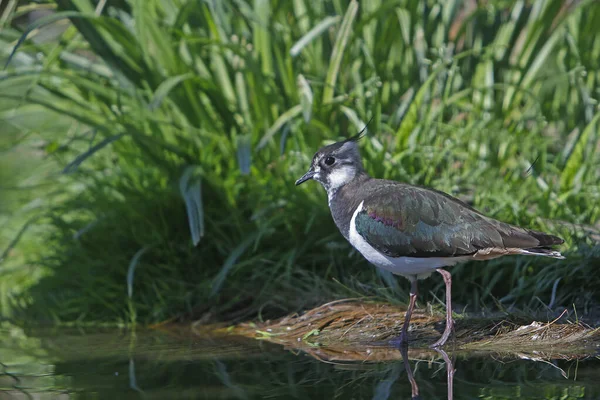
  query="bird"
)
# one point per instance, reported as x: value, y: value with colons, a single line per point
x: 413, y: 231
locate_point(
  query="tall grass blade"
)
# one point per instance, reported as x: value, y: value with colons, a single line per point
x: 338, y: 51
x: 262, y: 10
x: 244, y: 153
x: 73, y: 165
x: 311, y: 35
x: 403, y: 107
x: 165, y: 87
x: 306, y: 97
x: 411, y: 118
x: 5, y: 16
x: 17, y: 237
x: 131, y: 269
x: 49, y: 19
x: 585, y: 143
x: 125, y: 60
x: 230, y: 262
x: 354, y: 118
x: 191, y: 191
x: 279, y: 122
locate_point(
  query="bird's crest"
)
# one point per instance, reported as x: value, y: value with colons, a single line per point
x: 363, y: 132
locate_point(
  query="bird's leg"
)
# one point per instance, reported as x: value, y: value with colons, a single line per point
x: 449, y: 321
x: 403, y: 341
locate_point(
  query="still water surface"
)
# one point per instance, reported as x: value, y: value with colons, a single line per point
x: 113, y: 364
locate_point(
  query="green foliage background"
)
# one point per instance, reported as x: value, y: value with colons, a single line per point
x: 174, y: 130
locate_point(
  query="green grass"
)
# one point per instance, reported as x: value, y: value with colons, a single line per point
x: 191, y: 120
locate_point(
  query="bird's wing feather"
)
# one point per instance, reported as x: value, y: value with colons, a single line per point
x: 417, y: 222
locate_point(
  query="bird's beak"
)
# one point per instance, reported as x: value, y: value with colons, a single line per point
x: 309, y: 175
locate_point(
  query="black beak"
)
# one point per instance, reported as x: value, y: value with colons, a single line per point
x: 305, y: 177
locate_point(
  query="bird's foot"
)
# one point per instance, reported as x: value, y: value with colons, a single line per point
x: 441, y: 342
x: 445, y: 336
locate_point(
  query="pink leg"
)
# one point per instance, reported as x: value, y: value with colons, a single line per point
x: 449, y: 321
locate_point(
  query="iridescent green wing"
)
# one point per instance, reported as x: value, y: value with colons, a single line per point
x: 417, y: 222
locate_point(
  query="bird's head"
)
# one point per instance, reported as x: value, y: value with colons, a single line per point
x: 335, y: 165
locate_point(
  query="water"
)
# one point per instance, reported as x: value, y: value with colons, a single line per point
x: 111, y: 364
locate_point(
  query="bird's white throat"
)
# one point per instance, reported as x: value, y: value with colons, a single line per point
x: 337, y: 178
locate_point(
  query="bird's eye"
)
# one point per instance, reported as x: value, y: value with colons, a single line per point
x: 329, y: 161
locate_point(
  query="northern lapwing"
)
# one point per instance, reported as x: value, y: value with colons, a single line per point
x: 411, y: 230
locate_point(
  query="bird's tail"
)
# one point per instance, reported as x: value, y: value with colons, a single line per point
x: 545, y: 239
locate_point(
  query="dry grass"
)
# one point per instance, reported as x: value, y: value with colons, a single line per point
x: 354, y: 330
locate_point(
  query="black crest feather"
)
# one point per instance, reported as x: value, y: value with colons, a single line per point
x: 361, y: 134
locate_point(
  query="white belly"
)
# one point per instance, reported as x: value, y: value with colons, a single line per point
x: 406, y: 266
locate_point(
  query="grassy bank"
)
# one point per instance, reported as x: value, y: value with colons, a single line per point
x: 173, y: 195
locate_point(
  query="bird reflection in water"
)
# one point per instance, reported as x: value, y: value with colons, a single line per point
x: 383, y: 389
x: 396, y: 357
